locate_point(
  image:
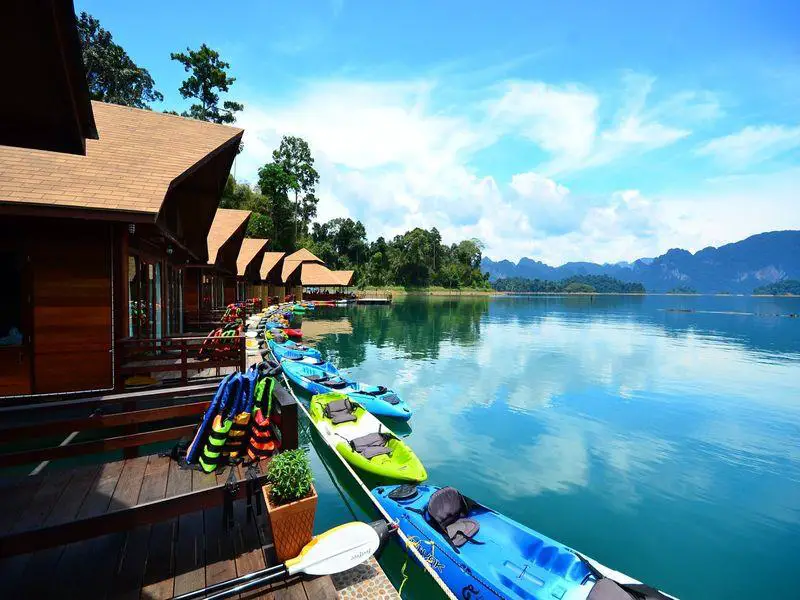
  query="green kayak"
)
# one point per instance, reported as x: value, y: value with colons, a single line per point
x: 363, y: 440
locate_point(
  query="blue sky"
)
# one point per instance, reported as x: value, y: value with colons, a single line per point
x: 560, y: 131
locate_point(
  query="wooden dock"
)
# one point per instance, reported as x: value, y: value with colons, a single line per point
x: 151, y: 560
x: 374, y: 301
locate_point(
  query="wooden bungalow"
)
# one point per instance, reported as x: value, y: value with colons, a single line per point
x: 248, y: 268
x: 210, y: 286
x: 271, y: 285
x: 101, y: 206
x: 291, y: 273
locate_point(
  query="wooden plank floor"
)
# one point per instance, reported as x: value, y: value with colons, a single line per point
x: 151, y: 561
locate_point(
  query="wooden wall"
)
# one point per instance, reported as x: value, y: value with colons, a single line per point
x: 71, y: 263
x: 229, y: 295
x: 191, y: 294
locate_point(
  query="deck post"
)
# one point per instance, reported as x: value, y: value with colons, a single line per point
x: 184, y: 361
x: 285, y: 407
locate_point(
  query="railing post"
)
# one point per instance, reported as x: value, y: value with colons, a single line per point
x: 286, y: 417
x: 184, y: 365
x: 243, y: 352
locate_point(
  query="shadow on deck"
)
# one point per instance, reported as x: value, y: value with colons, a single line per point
x: 150, y: 560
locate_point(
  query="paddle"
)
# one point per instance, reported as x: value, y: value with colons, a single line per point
x: 334, y: 551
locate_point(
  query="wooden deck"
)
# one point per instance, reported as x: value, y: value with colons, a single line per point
x: 154, y: 560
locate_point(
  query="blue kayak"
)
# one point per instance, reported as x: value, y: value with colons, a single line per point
x: 317, y: 379
x: 292, y: 350
x: 479, y: 553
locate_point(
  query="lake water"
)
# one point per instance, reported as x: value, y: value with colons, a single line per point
x: 659, y: 434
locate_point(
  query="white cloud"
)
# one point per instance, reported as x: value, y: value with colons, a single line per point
x: 533, y: 185
x: 389, y: 155
x: 561, y: 120
x: 752, y: 145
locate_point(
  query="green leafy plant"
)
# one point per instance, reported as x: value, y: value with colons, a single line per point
x: 290, y: 476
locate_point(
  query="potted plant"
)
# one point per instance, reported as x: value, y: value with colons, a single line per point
x: 291, y: 502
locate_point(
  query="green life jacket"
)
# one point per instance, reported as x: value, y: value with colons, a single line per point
x: 212, y: 451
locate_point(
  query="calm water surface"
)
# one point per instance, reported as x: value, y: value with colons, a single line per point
x: 659, y: 435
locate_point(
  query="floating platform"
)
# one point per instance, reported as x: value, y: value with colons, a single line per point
x: 374, y: 301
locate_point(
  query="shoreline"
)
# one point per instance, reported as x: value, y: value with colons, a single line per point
x: 437, y: 291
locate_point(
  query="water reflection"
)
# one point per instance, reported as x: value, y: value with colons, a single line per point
x: 664, y: 443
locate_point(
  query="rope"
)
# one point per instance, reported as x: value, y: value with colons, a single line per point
x: 405, y: 578
x: 410, y: 547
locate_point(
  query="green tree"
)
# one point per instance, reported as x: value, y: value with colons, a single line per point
x: 294, y: 157
x: 578, y: 288
x: 275, y: 184
x: 111, y: 74
x: 260, y: 226
x: 347, y: 237
x: 208, y: 77
x: 308, y: 210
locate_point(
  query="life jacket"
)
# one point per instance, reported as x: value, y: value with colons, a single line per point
x: 239, y: 419
x: 195, y: 448
x: 262, y: 442
x: 209, y: 342
x: 212, y: 455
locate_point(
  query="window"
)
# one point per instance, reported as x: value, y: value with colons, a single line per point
x: 241, y: 291
x: 11, y: 299
x: 145, y: 302
x: 174, y: 300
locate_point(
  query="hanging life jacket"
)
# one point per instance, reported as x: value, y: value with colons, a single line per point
x: 212, y: 456
x: 236, y: 442
x: 262, y: 442
x: 195, y: 448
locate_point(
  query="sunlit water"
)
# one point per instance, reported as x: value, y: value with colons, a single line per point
x: 659, y: 435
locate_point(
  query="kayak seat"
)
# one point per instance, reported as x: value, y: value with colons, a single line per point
x: 318, y: 378
x: 449, y: 510
x: 335, y: 384
x: 461, y: 531
x: 391, y: 398
x: 371, y: 445
x: 340, y: 411
x: 376, y: 392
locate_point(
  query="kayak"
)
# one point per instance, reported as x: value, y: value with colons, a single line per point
x: 480, y: 553
x: 378, y: 400
x: 289, y: 346
x: 363, y: 440
x: 293, y: 333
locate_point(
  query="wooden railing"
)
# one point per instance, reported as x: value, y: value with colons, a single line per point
x: 182, y: 355
x: 164, y: 415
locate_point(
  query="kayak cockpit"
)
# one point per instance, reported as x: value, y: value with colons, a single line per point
x: 514, y: 560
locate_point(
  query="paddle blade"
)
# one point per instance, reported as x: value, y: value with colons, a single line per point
x: 336, y: 550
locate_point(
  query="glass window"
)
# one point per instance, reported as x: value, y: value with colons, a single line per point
x: 158, y: 315
x: 174, y: 301
x: 135, y: 313
x: 11, y: 299
x: 206, y: 291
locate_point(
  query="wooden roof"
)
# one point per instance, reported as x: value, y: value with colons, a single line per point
x: 269, y: 262
x: 312, y: 273
x: 226, y: 236
x: 345, y: 277
x: 303, y: 255
x: 252, y: 249
x: 139, y: 155
x: 294, y: 260
x: 50, y: 109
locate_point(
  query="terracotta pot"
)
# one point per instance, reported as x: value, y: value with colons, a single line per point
x: 292, y: 524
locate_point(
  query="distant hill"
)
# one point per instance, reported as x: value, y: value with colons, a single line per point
x: 780, y: 288
x: 739, y: 267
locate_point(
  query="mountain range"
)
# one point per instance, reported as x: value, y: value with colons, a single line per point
x: 738, y: 267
